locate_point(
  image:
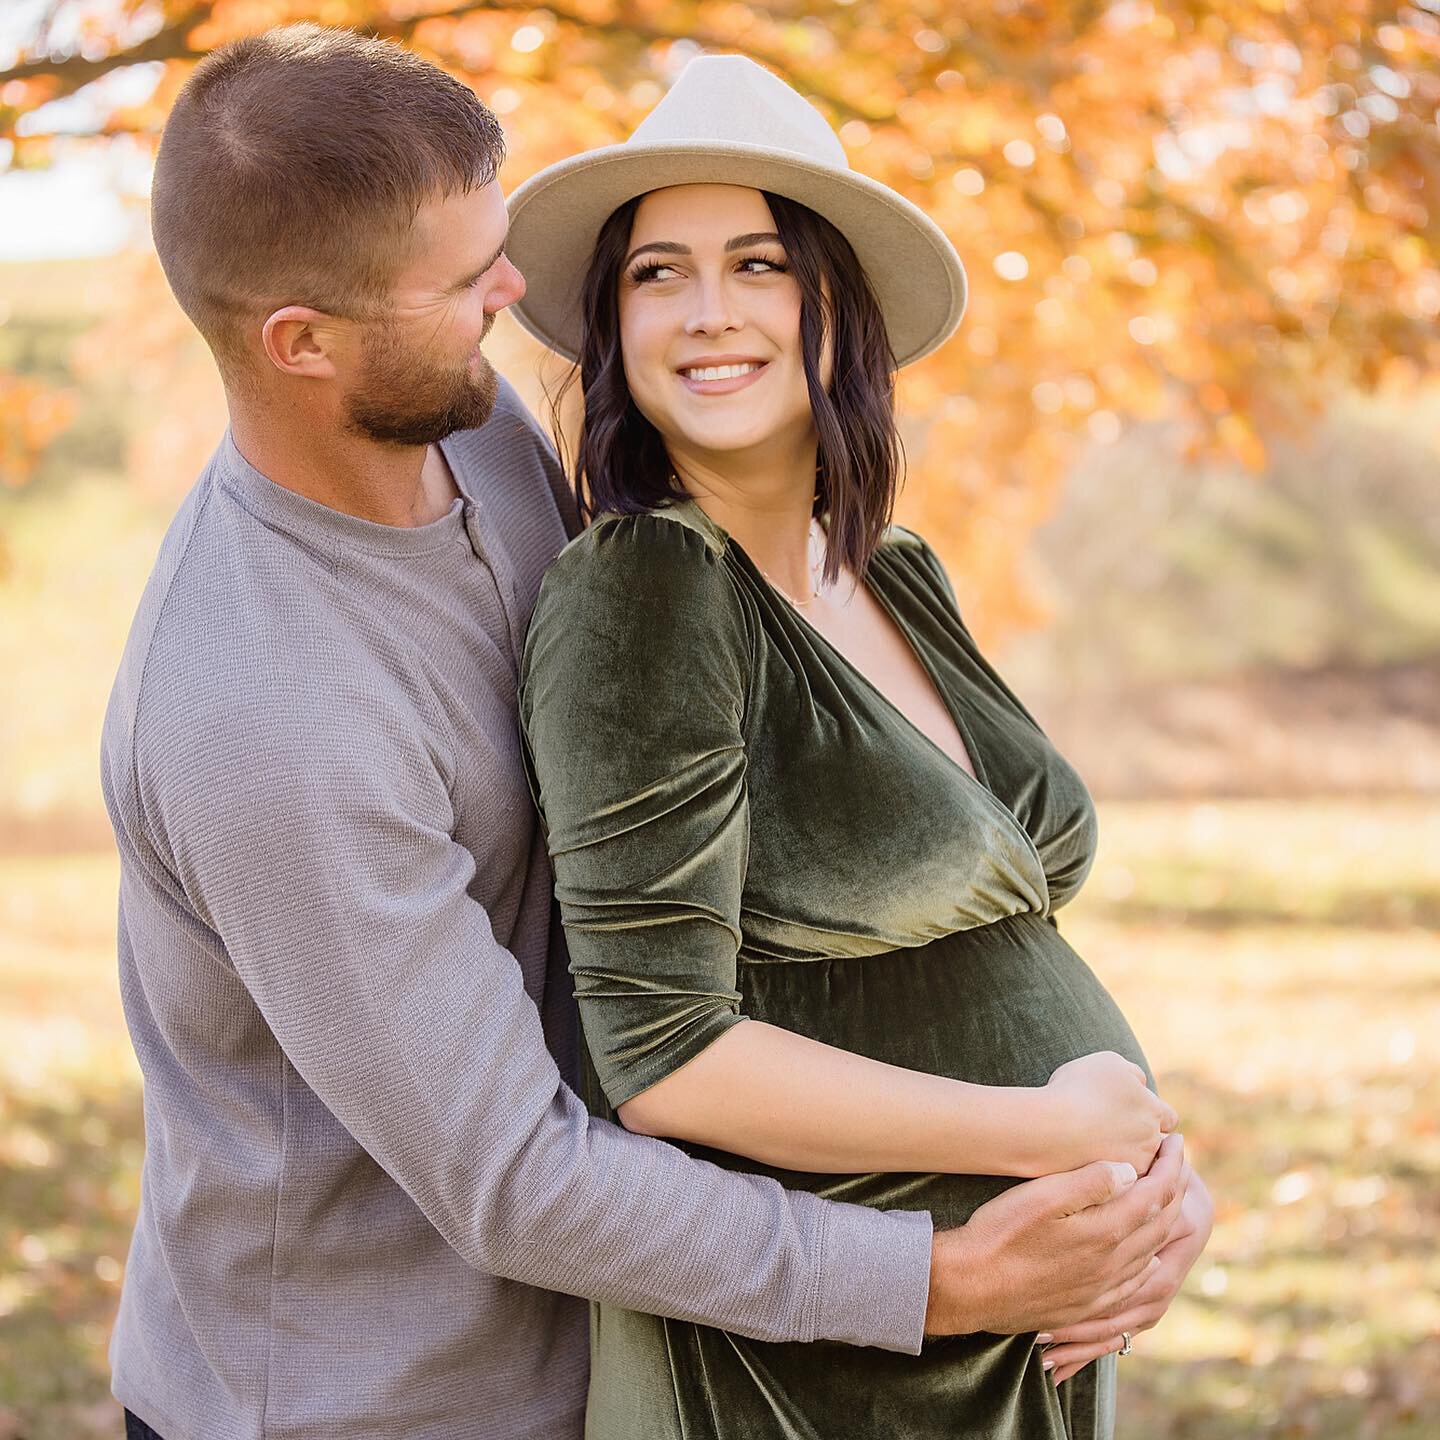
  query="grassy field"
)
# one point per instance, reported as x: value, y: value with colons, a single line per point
x: 1278, y: 960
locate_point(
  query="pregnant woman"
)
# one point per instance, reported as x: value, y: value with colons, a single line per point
x: 808, y: 846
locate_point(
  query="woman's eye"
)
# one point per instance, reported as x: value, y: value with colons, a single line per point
x: 653, y: 271
x: 751, y: 265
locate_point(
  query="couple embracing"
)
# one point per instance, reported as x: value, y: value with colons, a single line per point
x: 848, y: 1142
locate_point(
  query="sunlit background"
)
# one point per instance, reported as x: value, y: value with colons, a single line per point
x: 1182, y: 458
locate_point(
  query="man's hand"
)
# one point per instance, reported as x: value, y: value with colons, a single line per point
x: 1075, y: 1346
x: 1056, y: 1251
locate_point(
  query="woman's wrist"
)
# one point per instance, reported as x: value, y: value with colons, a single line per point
x: 1022, y: 1132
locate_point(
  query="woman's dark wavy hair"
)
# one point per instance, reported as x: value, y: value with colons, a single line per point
x: 620, y: 461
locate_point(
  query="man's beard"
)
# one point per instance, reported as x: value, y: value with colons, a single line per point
x: 403, y: 399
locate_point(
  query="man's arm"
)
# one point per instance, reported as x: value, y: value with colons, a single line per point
x: 342, y: 901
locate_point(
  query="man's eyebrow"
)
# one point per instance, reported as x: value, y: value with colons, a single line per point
x: 738, y: 242
x: 472, y: 278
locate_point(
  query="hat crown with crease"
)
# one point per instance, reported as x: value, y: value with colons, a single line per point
x: 734, y: 101
x: 729, y: 121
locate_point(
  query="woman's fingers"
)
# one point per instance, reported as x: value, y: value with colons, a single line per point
x: 1063, y: 1361
x: 1169, y: 1118
x: 1142, y: 1316
x: 1059, y: 1375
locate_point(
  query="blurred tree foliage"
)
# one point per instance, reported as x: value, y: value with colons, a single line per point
x: 1201, y: 210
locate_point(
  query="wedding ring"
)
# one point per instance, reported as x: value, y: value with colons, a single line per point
x: 1127, y: 1347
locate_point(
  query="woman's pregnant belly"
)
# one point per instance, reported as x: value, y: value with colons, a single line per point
x: 1000, y: 1005
x: 1004, y: 1004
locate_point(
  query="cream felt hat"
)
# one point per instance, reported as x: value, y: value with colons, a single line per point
x: 729, y: 121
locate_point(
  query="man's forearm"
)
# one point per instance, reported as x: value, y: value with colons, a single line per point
x: 636, y: 1222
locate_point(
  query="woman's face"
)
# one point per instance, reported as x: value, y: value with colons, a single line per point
x: 710, y: 326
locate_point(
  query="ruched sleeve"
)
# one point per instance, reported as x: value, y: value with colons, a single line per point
x: 633, y: 696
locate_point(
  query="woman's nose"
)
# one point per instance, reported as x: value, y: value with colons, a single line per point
x: 712, y: 311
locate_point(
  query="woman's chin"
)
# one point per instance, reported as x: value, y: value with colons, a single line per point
x: 718, y: 443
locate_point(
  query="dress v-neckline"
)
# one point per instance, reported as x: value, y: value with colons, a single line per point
x: 981, y: 777
x: 980, y: 780
x: 688, y: 512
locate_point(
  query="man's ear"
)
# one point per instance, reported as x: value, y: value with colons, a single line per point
x: 302, y: 341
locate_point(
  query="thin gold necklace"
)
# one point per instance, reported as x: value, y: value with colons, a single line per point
x: 814, y: 578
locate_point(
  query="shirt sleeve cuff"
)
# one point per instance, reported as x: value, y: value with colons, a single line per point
x: 875, y: 1277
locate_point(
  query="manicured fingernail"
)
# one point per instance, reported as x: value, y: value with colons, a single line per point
x: 1047, y: 1365
x: 1044, y: 1339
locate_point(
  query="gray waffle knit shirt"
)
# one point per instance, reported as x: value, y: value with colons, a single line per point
x: 369, y: 1194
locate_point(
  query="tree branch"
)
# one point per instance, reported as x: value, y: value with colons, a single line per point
x: 74, y: 72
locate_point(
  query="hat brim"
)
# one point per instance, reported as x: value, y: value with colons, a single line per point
x: 556, y: 217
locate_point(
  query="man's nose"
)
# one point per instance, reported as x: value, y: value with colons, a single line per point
x: 509, y: 288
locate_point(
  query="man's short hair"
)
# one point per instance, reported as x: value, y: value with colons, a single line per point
x: 291, y: 171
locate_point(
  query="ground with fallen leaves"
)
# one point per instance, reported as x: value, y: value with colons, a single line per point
x: 1279, y: 960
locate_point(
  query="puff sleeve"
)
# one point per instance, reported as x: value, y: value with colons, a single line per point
x: 633, y: 697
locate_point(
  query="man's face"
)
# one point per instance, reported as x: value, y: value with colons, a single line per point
x: 421, y: 374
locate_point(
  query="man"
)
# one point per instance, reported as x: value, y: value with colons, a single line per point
x: 370, y: 1198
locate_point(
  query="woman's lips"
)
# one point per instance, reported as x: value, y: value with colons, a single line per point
x: 723, y: 387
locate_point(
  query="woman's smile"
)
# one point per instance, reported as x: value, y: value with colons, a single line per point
x: 721, y: 374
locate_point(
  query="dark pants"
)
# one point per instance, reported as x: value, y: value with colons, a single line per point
x: 137, y: 1429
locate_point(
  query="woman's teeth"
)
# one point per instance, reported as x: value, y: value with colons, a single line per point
x: 720, y: 372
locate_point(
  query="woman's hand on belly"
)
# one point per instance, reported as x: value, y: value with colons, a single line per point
x: 1098, y: 1108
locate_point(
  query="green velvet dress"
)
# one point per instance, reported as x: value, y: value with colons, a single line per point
x: 742, y: 825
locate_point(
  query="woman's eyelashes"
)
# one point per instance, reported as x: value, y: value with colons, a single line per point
x: 648, y: 271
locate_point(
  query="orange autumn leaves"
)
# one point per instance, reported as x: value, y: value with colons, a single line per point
x: 1208, y: 212
x: 32, y: 414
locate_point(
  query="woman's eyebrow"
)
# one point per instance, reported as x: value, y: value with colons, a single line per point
x: 737, y: 242
x: 665, y: 247
x: 755, y: 237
